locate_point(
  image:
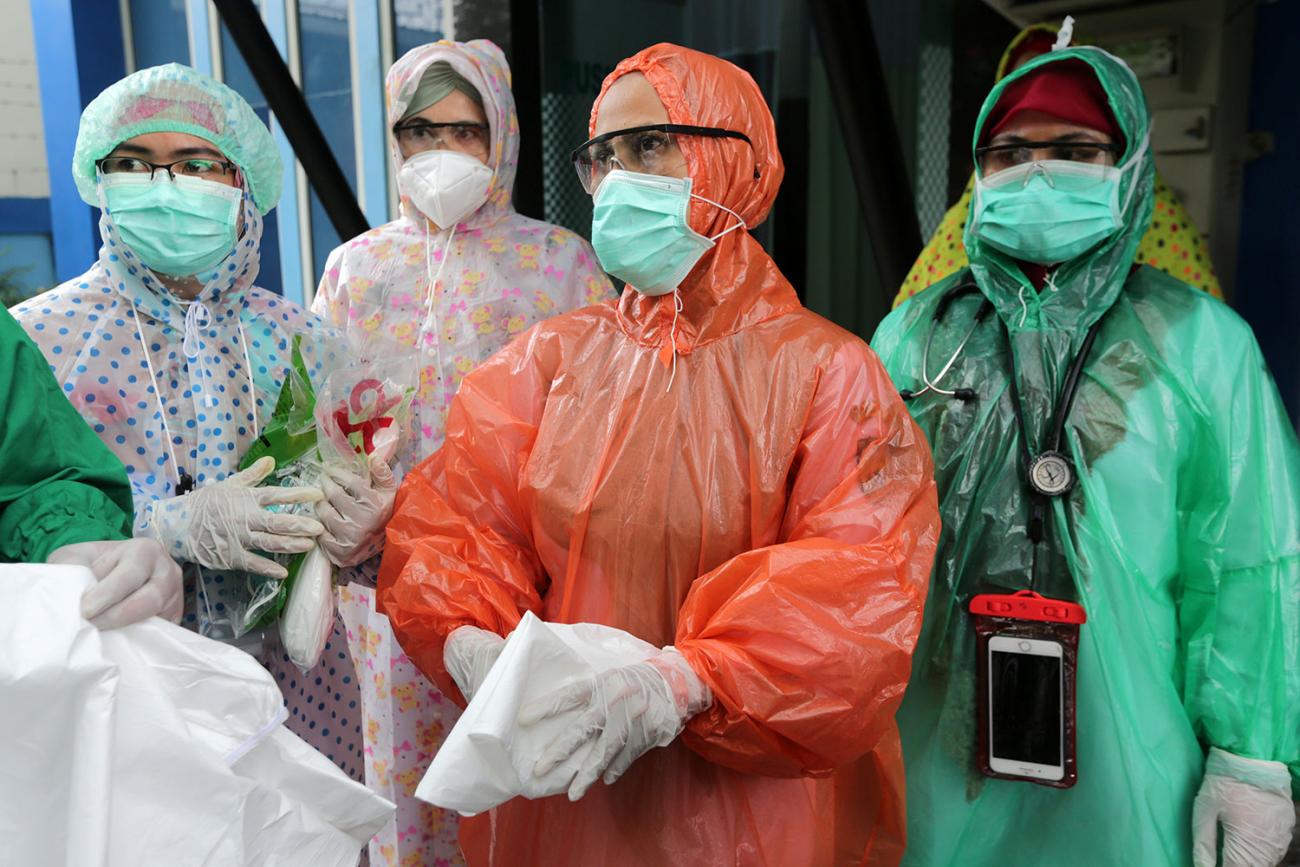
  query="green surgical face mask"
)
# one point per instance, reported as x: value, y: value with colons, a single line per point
x: 1051, y: 211
x: 640, y: 233
x: 179, y: 228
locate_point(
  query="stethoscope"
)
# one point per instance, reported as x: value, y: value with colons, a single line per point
x: 940, y: 310
x: 1050, y: 472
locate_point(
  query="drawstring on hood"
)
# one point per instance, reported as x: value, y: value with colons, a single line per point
x: 1065, y: 34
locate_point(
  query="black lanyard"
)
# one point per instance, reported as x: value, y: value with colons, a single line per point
x: 1048, y: 473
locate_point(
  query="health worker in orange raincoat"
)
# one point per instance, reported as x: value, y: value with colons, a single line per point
x: 710, y: 467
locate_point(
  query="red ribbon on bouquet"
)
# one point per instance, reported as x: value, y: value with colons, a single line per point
x: 371, y: 412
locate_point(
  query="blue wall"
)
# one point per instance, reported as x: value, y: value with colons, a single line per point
x: 327, y: 86
x: 157, y: 27
x: 1268, y: 271
x: 75, y: 62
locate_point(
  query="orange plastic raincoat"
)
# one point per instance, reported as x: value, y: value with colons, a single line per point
x: 772, y: 515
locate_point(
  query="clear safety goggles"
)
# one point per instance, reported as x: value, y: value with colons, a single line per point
x: 654, y: 149
x: 418, y: 135
x: 995, y: 159
x: 1056, y: 173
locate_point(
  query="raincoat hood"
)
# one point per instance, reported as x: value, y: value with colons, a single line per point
x: 224, y: 285
x: 736, y: 283
x: 1086, y: 286
x: 483, y: 64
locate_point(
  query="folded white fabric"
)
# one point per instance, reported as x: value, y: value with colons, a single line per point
x: 488, y: 758
x: 153, y: 745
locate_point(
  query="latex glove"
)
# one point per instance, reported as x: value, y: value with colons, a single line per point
x: 1251, y: 799
x: 469, y: 655
x: 136, y: 581
x: 221, y: 525
x: 355, y: 511
x: 626, y: 712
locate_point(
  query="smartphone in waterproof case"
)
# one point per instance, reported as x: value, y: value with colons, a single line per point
x: 1027, y: 656
x: 1026, y: 707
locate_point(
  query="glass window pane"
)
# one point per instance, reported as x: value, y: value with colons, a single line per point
x: 241, y: 80
x: 417, y: 22
x: 158, y: 32
x: 327, y: 85
x: 26, y: 267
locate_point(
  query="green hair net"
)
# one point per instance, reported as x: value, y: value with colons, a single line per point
x: 437, y: 83
x: 176, y: 98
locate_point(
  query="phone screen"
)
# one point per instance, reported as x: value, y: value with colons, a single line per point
x: 1025, y: 696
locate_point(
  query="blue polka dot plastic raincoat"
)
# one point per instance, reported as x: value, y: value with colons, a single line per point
x: 173, y: 385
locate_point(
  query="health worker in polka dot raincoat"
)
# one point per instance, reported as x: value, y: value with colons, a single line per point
x: 176, y: 359
x: 454, y: 278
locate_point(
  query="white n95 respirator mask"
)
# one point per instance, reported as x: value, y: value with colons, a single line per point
x: 447, y: 186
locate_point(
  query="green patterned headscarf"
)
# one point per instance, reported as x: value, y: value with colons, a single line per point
x: 437, y: 83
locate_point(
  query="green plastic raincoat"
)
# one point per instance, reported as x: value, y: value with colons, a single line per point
x: 1181, y: 539
x: 58, y: 483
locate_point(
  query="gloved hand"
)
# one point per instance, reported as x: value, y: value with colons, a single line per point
x: 626, y: 712
x: 1251, y: 799
x: 136, y: 581
x: 221, y: 525
x: 355, y: 510
x: 469, y: 655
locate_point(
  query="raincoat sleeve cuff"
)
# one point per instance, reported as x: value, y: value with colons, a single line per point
x: 58, y: 514
x: 1265, y: 775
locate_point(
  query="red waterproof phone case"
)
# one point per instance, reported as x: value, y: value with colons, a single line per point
x: 1026, y: 661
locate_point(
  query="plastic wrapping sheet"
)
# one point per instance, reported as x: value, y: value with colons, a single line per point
x: 153, y: 745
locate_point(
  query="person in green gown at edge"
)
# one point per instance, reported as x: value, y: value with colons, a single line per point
x: 65, y: 498
x: 1180, y: 536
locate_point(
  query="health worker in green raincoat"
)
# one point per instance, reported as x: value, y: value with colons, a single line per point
x: 1180, y: 535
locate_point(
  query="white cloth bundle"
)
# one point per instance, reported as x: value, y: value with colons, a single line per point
x: 153, y: 745
x: 488, y: 758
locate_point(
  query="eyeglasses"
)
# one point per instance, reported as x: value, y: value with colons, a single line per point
x: 651, y: 150
x: 210, y: 170
x: 995, y: 158
x: 465, y: 136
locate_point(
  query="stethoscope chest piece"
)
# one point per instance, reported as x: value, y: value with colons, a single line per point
x: 1051, y: 474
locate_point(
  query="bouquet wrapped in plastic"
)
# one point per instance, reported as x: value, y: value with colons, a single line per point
x: 360, y: 412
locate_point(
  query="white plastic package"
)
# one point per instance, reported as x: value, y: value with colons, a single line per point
x: 153, y: 745
x: 488, y: 758
x: 308, y: 617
